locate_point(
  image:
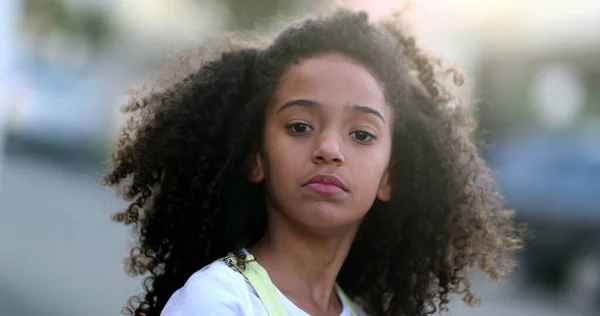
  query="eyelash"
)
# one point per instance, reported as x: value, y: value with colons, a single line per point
x: 291, y: 126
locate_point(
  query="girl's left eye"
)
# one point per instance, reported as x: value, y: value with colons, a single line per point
x: 299, y: 128
x: 362, y: 136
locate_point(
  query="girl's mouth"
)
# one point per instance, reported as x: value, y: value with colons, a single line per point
x: 325, y: 183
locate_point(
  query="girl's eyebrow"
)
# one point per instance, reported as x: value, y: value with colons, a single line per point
x: 366, y: 109
x: 309, y: 103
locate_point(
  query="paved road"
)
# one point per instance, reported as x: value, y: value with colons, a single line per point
x: 59, y: 252
x: 61, y: 255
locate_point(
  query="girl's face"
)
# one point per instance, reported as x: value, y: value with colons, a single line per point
x: 326, y: 144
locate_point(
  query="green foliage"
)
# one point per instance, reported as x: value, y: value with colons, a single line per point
x: 43, y: 18
x: 256, y: 13
x: 91, y: 25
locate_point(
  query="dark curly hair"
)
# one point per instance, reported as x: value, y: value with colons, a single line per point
x: 182, y: 161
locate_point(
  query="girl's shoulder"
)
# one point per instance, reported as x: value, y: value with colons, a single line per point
x: 218, y: 289
x: 214, y: 290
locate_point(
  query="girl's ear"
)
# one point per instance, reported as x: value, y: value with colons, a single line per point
x: 385, y: 189
x: 257, y: 171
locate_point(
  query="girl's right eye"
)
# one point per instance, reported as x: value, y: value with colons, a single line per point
x: 299, y: 128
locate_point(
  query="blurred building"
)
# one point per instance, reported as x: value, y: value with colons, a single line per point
x: 8, y: 33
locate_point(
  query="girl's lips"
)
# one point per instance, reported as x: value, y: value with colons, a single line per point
x: 325, y: 183
x: 325, y: 188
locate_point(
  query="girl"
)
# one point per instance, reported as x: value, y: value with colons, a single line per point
x: 331, y: 158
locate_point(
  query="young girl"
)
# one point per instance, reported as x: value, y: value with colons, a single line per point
x: 331, y: 158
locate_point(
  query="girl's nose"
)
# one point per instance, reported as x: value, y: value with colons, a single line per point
x: 328, y: 150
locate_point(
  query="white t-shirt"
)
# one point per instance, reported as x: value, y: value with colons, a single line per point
x: 220, y: 290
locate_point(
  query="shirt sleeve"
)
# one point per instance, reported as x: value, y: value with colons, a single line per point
x: 212, y: 291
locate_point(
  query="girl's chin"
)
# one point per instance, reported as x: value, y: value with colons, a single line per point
x: 328, y: 217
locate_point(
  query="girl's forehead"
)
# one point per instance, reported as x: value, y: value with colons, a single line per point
x: 331, y: 77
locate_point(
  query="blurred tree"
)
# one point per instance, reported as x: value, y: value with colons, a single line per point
x: 90, y: 24
x: 44, y: 17
x: 592, y: 106
x: 252, y: 14
x: 87, y: 24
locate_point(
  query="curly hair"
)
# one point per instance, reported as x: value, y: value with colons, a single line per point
x: 182, y: 162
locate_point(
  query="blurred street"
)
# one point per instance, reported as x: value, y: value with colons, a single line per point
x: 62, y: 256
x: 60, y: 253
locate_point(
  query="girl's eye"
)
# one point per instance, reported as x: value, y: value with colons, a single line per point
x: 362, y: 136
x: 299, y: 128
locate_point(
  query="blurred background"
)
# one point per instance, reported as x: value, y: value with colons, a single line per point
x: 533, y: 76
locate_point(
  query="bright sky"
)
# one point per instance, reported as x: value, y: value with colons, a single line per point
x: 427, y: 16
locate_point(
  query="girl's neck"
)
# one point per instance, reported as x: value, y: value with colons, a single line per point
x: 303, y: 265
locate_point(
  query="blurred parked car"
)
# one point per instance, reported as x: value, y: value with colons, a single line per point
x: 60, y: 110
x: 553, y: 181
x: 541, y: 116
